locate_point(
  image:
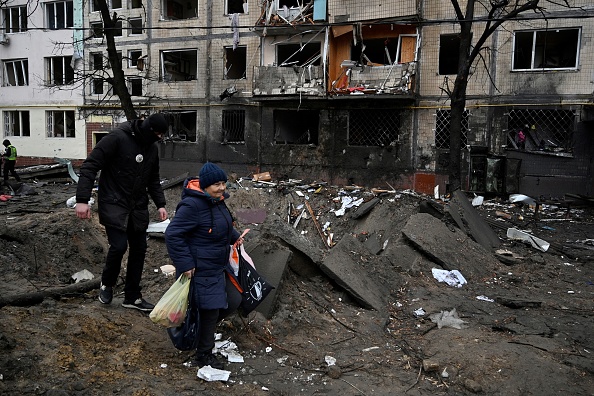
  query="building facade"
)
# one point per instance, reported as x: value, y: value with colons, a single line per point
x: 350, y: 91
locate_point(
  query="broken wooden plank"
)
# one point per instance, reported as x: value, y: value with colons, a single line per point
x: 317, y: 224
x: 34, y: 298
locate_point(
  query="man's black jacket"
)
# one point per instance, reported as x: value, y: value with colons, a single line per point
x: 129, y: 165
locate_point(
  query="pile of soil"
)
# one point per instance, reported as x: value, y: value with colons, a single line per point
x: 526, y: 327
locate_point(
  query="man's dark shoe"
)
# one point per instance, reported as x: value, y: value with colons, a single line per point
x: 139, y: 304
x: 105, y: 294
x: 207, y: 359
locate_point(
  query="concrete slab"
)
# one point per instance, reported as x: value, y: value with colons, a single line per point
x: 470, y: 221
x: 340, y: 264
x: 451, y: 249
x: 271, y: 261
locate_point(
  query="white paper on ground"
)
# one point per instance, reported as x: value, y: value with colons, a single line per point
x: 212, y: 374
x: 452, y: 278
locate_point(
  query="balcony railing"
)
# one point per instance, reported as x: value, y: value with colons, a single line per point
x: 274, y: 80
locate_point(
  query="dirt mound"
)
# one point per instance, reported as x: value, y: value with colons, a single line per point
x: 527, y: 322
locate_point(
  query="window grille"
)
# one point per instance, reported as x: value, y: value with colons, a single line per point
x: 442, y: 129
x: 233, y: 126
x: 374, y: 127
x: 548, y: 129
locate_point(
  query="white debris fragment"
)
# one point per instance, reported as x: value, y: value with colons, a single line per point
x: 370, y: 349
x: 163, y: 365
x: 268, y: 349
x: 448, y: 319
x: 210, y: 374
x: 484, y: 298
x: 168, y: 269
x: 158, y: 227
x: 330, y: 361
x: 82, y: 276
x: 540, y: 244
x: 419, y: 312
x: 452, y: 278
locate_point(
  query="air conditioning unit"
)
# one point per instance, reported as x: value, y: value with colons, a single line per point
x: 3, y: 39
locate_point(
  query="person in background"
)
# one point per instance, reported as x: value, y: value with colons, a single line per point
x: 9, y: 157
x: 521, y: 137
x: 129, y: 163
x: 199, y: 240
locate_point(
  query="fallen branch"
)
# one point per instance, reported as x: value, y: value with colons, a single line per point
x: 28, y: 299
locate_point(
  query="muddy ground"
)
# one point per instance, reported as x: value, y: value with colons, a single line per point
x: 73, y: 345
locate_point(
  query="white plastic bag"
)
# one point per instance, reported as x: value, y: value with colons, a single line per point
x: 170, y: 311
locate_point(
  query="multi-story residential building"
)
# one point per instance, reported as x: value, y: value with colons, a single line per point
x: 351, y: 91
x: 39, y: 99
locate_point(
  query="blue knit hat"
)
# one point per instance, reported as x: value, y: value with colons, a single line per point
x: 210, y: 174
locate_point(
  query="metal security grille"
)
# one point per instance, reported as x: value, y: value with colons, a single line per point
x: 442, y: 129
x: 548, y: 129
x: 233, y: 126
x: 374, y: 127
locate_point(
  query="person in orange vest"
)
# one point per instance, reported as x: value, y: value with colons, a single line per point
x: 9, y: 157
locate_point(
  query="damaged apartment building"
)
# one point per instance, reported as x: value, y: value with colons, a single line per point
x: 345, y: 91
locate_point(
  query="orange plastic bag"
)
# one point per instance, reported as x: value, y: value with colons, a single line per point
x: 170, y: 311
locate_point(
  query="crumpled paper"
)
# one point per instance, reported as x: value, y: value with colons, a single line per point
x: 210, y: 374
x: 452, y: 278
x: 448, y: 319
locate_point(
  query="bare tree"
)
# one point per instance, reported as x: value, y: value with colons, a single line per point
x: 497, y: 13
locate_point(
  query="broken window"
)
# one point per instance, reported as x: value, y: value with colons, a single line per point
x: 97, y: 61
x: 97, y: 86
x: 236, y: 7
x: 179, y: 65
x: 182, y: 125
x: 172, y: 9
x: 59, y: 15
x: 16, y: 72
x: 135, y: 86
x: 135, y: 26
x: 16, y: 123
x: 133, y: 56
x: 235, y: 63
x: 544, y: 129
x: 58, y: 70
x: 371, y: 127
x: 115, y: 4
x: 449, y: 50
x: 546, y: 49
x: 375, y: 52
x: 135, y: 4
x: 233, y: 126
x: 15, y: 19
x: 97, y: 29
x: 442, y: 129
x: 287, y: 3
x: 298, y: 54
x: 296, y: 126
x: 118, y: 29
x: 60, y: 123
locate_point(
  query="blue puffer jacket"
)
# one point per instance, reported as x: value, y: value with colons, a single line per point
x: 199, y: 236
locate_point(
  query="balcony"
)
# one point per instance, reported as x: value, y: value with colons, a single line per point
x: 396, y: 79
x: 295, y: 80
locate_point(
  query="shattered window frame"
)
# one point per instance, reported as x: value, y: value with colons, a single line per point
x: 449, y: 50
x: 374, y: 127
x: 442, y: 129
x: 298, y: 54
x: 59, y: 15
x: 235, y: 7
x: 16, y: 73
x: 136, y: 27
x: 298, y: 127
x: 172, y: 10
x: 532, y: 46
x: 549, y: 130
x: 183, y: 125
x: 17, y: 123
x: 60, y: 123
x: 15, y: 19
x: 178, y: 65
x: 97, y: 87
x: 237, y: 70
x: 233, y: 126
x: 58, y: 70
x: 135, y: 86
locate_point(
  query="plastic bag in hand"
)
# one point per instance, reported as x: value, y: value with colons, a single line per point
x: 170, y: 311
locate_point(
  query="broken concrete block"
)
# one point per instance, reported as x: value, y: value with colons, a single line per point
x: 340, y: 265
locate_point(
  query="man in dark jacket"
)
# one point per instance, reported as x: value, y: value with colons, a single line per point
x: 129, y: 163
